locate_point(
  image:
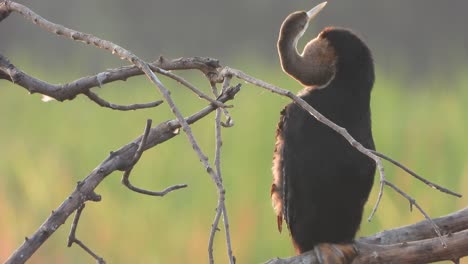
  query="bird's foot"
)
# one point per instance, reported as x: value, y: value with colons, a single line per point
x: 335, y: 253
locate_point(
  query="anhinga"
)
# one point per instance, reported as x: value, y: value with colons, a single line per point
x: 320, y: 182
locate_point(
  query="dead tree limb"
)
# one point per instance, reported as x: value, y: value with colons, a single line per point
x: 409, y: 244
x: 119, y: 160
x: 68, y: 91
x: 123, y: 54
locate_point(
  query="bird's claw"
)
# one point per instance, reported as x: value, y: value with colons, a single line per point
x: 335, y: 253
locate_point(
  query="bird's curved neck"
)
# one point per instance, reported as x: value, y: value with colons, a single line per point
x: 313, y: 67
x: 291, y: 61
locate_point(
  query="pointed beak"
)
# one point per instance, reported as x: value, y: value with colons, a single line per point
x: 314, y: 11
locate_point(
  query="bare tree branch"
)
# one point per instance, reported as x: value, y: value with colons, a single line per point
x: 125, y: 55
x: 98, y: 100
x: 222, y: 192
x: 452, y: 223
x: 69, y: 91
x: 221, y: 207
x: 431, y: 184
x: 229, y: 121
x: 190, y: 86
x: 412, y: 202
x: 219, y: 184
x: 410, y: 244
x: 119, y: 160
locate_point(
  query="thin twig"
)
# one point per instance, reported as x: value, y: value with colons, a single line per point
x: 403, y: 167
x: 138, y: 153
x: 190, y: 86
x: 219, y: 143
x: 142, y: 144
x: 218, y: 137
x: 232, y: 258
x: 226, y: 96
x: 98, y: 100
x: 221, y: 208
x: 379, y: 198
x: 214, y: 229
x: 72, y: 236
x: 412, y: 202
x: 154, y: 193
x: 214, y: 226
x: 229, y: 121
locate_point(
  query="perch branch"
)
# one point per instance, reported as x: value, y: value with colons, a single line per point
x: 118, y: 160
x: 452, y: 223
x: 408, y: 244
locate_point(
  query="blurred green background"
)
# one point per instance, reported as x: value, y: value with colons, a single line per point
x: 420, y: 117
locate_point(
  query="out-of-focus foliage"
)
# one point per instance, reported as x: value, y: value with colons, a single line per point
x: 47, y: 147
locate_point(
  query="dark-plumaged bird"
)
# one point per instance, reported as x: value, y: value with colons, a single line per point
x: 321, y: 182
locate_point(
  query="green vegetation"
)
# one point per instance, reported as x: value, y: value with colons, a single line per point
x: 47, y: 147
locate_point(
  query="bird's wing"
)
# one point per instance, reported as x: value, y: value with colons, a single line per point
x: 277, y: 188
x: 291, y: 137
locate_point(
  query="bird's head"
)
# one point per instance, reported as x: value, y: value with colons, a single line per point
x: 296, y: 23
x: 334, y: 53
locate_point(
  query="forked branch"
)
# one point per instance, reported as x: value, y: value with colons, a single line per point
x: 68, y: 91
x: 119, y: 160
x: 136, y: 158
x: 72, y: 236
